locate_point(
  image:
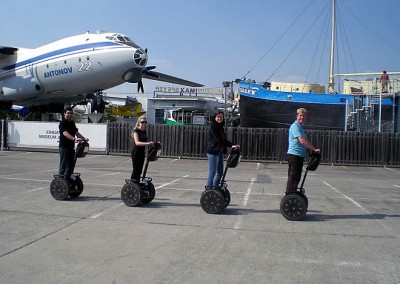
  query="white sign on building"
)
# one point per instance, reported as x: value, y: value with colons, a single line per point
x: 34, y: 134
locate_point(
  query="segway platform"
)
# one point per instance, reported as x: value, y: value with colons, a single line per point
x: 135, y: 192
x: 295, y: 204
x: 215, y: 199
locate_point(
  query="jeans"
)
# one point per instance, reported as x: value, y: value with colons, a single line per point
x: 215, y: 168
x: 294, y: 172
x: 67, y: 161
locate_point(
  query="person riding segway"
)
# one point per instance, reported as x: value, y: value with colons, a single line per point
x: 63, y: 186
x: 136, y: 192
x: 294, y: 205
x: 216, y: 198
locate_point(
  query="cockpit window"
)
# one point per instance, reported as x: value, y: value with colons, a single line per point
x: 123, y: 39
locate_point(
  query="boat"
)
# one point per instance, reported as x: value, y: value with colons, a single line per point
x: 363, y: 107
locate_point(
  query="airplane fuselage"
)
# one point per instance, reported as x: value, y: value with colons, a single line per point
x: 69, y: 69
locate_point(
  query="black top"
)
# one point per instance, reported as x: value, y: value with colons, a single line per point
x: 70, y: 127
x: 217, y: 139
x: 142, y: 138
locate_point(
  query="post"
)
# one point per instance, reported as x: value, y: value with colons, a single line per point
x: 3, y: 134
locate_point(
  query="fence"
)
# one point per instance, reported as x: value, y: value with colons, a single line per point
x: 267, y: 144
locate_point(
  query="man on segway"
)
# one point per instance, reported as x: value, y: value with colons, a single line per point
x: 66, y: 150
x: 298, y: 143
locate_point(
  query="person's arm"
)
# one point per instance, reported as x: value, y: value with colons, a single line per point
x: 81, y: 136
x: 69, y: 136
x: 135, y: 137
x: 306, y: 143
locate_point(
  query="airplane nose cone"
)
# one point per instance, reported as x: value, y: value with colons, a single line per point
x: 140, y: 58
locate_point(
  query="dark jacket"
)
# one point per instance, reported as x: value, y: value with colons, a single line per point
x: 217, y: 139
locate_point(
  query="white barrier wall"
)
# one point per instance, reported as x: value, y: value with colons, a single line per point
x: 34, y: 134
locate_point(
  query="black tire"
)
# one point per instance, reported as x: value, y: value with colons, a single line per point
x: 227, y: 195
x: 59, y: 188
x: 212, y: 201
x: 131, y: 194
x: 77, y: 188
x: 293, y: 207
x: 303, y: 194
x: 150, y: 194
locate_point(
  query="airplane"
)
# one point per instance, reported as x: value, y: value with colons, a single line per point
x: 74, y: 70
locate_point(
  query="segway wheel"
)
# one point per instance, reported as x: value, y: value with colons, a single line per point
x: 59, y: 188
x: 293, y: 207
x: 131, y: 194
x: 77, y: 188
x: 212, y: 201
x: 227, y: 195
x: 150, y: 194
x: 304, y: 196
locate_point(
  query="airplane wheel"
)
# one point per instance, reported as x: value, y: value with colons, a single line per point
x: 227, y: 195
x: 59, y: 188
x: 293, y: 207
x: 212, y: 201
x: 77, y: 188
x: 151, y: 193
x: 131, y: 194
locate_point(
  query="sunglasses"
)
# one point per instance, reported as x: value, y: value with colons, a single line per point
x: 143, y: 122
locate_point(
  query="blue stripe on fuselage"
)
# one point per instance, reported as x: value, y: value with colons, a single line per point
x: 59, y: 52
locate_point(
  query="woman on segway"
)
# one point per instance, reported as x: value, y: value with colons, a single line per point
x: 216, y: 148
x: 139, y: 137
x: 298, y: 143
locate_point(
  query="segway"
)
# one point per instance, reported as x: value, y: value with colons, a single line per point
x: 215, y: 199
x: 62, y: 187
x: 136, y: 192
x: 295, y: 204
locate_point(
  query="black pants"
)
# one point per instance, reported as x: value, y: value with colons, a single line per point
x: 294, y: 172
x: 137, y: 164
x: 67, y: 161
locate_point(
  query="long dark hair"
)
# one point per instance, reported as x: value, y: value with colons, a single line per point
x: 217, y: 112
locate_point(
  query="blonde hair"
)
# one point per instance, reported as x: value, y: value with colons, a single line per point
x: 138, y: 121
x: 301, y: 111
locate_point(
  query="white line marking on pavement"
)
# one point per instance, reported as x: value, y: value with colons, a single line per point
x: 239, y: 221
x: 395, y: 185
x: 168, y: 183
x: 106, y: 210
x: 110, y: 174
x: 348, y: 198
x: 174, y: 160
x: 36, y: 189
x: 392, y: 170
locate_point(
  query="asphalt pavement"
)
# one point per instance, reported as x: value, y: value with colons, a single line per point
x: 351, y: 233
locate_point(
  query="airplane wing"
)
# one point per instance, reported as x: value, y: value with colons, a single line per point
x: 7, y: 51
x: 152, y: 75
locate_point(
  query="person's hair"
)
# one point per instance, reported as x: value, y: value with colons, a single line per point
x: 301, y: 111
x: 217, y: 112
x: 138, y: 121
x: 67, y: 109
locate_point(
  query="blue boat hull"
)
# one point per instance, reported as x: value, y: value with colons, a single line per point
x: 263, y: 108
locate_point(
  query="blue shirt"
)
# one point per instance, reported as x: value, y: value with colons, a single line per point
x: 295, y: 147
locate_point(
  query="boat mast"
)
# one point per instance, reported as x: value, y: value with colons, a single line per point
x: 331, y: 80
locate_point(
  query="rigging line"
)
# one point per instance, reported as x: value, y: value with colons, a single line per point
x: 316, y: 48
x: 323, y: 48
x: 341, y: 22
x: 378, y: 34
x: 297, y: 44
x: 276, y: 42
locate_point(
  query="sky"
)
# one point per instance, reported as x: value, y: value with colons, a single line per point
x: 211, y: 41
